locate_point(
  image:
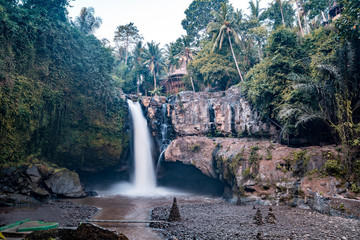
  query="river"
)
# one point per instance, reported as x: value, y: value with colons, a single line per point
x: 122, y: 207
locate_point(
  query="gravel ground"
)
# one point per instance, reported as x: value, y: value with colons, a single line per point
x: 66, y: 213
x: 226, y: 221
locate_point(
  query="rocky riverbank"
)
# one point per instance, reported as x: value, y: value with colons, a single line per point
x: 35, y: 183
x: 228, y: 221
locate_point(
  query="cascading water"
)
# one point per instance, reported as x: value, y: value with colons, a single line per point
x: 163, y: 130
x: 144, y: 177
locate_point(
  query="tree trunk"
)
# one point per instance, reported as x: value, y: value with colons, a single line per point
x: 137, y: 85
x: 192, y: 83
x: 154, y: 80
x: 282, y: 15
x: 299, y: 20
x: 259, y: 51
x: 232, y: 51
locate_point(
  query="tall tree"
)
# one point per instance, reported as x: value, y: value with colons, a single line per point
x: 52, y: 9
x: 198, y: 16
x: 87, y: 22
x: 126, y: 36
x: 254, y: 27
x: 224, y: 26
x: 281, y: 13
x: 153, y: 59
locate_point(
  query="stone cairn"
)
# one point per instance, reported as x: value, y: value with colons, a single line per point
x: 258, y: 217
x: 174, y: 212
x: 270, y: 218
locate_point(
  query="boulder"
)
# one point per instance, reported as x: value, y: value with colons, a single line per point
x: 65, y: 183
x: 33, y: 173
x: 39, y: 192
x: 195, y: 151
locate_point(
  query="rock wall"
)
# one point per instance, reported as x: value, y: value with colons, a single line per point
x: 267, y: 173
x: 211, y: 132
x: 225, y: 113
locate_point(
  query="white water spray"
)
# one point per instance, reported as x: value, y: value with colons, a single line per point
x: 144, y: 178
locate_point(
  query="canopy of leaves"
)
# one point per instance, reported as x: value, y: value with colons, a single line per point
x: 349, y: 23
x: 213, y: 70
x: 87, y: 22
x: 58, y: 101
x: 198, y: 17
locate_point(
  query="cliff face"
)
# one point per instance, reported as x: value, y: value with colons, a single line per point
x: 212, y: 131
x: 218, y: 114
x: 269, y: 173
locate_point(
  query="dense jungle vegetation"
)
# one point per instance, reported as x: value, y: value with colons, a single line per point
x: 58, y: 101
x: 60, y: 86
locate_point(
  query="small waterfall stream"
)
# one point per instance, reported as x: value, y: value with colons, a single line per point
x: 164, y: 139
x: 144, y: 181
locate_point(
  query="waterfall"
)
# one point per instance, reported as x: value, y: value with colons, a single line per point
x: 144, y: 181
x: 163, y: 130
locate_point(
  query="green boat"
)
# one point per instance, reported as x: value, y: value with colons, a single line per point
x: 25, y: 227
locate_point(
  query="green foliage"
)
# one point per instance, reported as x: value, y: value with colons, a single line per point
x: 212, y: 69
x: 198, y: 17
x: 58, y: 100
x: 280, y: 11
x: 268, y: 82
x: 335, y: 168
x: 348, y: 24
x: 247, y: 174
x: 87, y: 22
x: 195, y: 148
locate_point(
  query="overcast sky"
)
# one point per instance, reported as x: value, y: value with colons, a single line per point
x: 158, y: 20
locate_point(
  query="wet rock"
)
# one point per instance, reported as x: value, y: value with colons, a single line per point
x: 17, y: 199
x: 174, y: 215
x: 65, y: 183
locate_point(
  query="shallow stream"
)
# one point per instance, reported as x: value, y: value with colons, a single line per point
x: 132, y: 207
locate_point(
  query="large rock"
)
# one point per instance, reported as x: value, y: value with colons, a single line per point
x: 260, y: 168
x: 33, y: 173
x: 195, y: 151
x: 65, y: 183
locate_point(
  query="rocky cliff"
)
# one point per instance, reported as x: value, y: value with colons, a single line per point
x: 269, y: 173
x: 215, y: 133
x: 225, y: 113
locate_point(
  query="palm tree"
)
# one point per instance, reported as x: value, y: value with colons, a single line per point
x: 258, y: 32
x: 87, y: 22
x: 223, y: 26
x: 153, y: 59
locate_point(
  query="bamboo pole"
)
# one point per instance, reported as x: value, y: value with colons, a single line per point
x: 123, y: 221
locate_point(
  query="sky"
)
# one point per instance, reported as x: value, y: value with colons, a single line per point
x: 158, y: 20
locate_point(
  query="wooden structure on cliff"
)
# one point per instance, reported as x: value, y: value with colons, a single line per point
x: 174, y: 83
